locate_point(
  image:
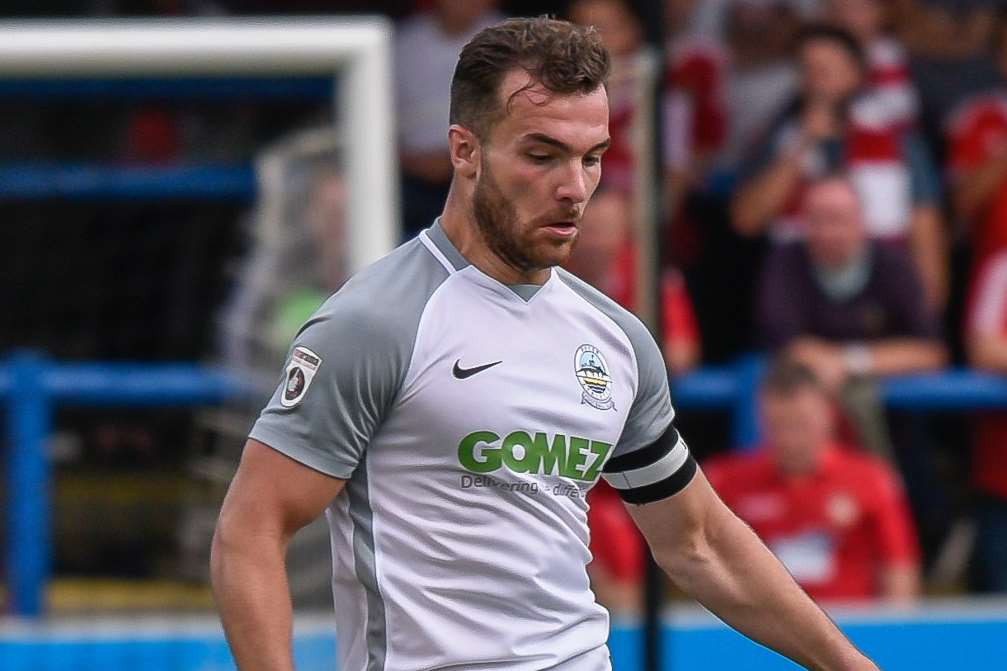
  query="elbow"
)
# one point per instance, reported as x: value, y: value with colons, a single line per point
x: 742, y: 220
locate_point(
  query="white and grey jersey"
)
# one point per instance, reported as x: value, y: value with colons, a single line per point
x: 470, y: 418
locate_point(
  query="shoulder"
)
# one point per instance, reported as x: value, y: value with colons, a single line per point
x: 380, y: 305
x: 971, y: 111
x: 629, y: 323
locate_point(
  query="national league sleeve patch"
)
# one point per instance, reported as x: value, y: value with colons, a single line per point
x: 299, y: 372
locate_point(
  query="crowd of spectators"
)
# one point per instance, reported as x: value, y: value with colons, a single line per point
x: 814, y: 151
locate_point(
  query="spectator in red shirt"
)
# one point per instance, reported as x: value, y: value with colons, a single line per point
x: 986, y: 343
x: 836, y: 518
x: 605, y: 258
x: 977, y: 143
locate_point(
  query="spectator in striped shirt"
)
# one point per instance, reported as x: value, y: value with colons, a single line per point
x: 890, y: 98
x: 819, y: 134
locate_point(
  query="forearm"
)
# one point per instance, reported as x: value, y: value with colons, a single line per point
x: 900, y: 583
x: 893, y: 357
x: 930, y: 254
x: 765, y: 196
x: 733, y: 574
x: 973, y: 190
x: 987, y: 352
x: 253, y: 599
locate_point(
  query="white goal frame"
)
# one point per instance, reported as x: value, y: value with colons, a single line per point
x: 356, y: 50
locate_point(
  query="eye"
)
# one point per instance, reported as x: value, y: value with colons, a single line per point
x: 539, y: 158
x: 591, y: 161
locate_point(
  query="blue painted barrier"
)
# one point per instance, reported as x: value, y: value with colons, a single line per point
x: 969, y: 635
x: 31, y: 386
x: 88, y: 181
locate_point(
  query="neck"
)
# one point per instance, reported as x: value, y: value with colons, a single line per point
x: 464, y: 233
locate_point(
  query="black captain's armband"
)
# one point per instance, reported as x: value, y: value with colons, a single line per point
x: 654, y: 472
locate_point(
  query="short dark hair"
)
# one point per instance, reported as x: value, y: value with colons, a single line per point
x: 561, y: 56
x: 822, y: 32
x: 786, y: 377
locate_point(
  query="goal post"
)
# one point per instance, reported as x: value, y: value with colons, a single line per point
x: 357, y: 51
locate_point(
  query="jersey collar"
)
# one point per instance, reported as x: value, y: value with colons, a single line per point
x: 454, y: 261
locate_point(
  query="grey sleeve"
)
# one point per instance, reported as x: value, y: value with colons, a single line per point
x: 341, y: 375
x: 651, y: 461
x: 651, y: 413
x: 347, y: 364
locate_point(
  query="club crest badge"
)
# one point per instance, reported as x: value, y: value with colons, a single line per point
x: 300, y: 371
x: 592, y: 373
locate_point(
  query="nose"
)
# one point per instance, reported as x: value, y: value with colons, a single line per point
x: 574, y: 187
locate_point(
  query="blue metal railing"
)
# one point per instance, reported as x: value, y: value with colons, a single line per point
x: 31, y: 386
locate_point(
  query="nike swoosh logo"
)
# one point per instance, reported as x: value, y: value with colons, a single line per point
x: 462, y: 373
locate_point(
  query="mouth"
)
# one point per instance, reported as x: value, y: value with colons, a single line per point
x: 562, y: 229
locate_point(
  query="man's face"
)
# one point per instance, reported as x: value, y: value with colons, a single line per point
x: 828, y: 72
x: 833, y: 218
x: 539, y: 166
x: 797, y: 426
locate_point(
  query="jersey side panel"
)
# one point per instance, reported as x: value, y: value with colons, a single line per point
x: 363, y: 336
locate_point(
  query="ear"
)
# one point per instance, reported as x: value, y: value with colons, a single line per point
x: 465, y: 151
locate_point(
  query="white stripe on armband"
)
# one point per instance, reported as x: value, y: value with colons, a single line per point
x: 660, y: 470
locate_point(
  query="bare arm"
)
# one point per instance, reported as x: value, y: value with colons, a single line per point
x: 900, y: 583
x: 929, y: 249
x: 765, y: 195
x: 270, y: 498
x: 906, y: 355
x: 717, y: 559
x: 987, y: 352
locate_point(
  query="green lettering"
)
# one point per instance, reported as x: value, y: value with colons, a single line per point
x: 576, y: 457
x: 490, y: 455
x: 553, y: 457
x: 528, y: 458
x: 600, y: 450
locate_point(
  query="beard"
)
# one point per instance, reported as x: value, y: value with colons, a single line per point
x: 498, y: 223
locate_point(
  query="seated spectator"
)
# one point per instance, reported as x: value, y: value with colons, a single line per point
x: 692, y: 106
x: 761, y: 75
x: 890, y: 97
x: 620, y: 31
x: 842, y: 303
x: 695, y: 122
x: 977, y: 149
x: 986, y: 343
x: 818, y: 134
x: 604, y: 257
x: 837, y: 519
x: 847, y: 306
x: 426, y: 51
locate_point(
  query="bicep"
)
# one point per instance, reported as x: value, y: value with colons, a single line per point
x: 673, y: 524
x: 274, y: 495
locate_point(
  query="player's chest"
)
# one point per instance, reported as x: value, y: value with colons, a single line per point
x: 550, y: 369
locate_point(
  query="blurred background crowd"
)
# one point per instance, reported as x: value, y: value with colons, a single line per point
x: 835, y: 197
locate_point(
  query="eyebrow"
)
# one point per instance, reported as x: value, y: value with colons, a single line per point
x: 549, y: 140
